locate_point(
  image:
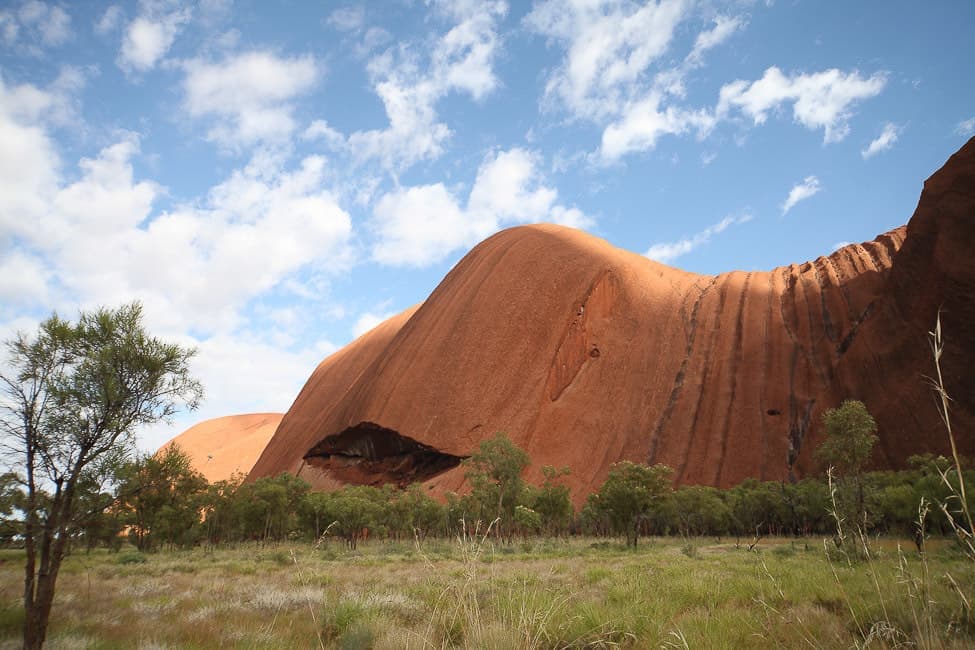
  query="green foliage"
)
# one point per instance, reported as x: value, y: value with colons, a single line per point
x: 552, y: 503
x: 356, y: 510
x: 851, y: 434
x: 73, y: 395
x: 131, y: 557
x: 494, y: 472
x: 12, y: 498
x: 414, y: 514
x: 630, y: 494
x: 700, y: 510
x: 162, y: 496
x: 527, y: 521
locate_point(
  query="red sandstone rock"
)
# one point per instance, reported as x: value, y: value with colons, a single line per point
x: 586, y: 355
x: 221, y: 447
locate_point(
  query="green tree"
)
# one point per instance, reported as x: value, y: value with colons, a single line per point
x: 163, y: 496
x: 314, y: 513
x: 413, y: 514
x: 552, y: 503
x: 494, y: 472
x: 11, y: 499
x: 850, y: 436
x: 630, y: 494
x: 356, y: 510
x: 71, y: 398
x: 268, y: 508
x: 219, y: 508
x: 700, y: 510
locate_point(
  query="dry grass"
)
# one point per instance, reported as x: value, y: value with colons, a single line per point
x: 576, y: 593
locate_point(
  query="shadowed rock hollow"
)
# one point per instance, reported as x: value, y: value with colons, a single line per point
x: 586, y: 354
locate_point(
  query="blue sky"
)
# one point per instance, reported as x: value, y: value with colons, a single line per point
x: 272, y: 178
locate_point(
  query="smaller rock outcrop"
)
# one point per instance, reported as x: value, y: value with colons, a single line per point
x: 222, y: 447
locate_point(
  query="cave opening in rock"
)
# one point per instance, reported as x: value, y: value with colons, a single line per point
x: 370, y: 454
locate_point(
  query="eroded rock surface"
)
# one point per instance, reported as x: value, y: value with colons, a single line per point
x: 586, y: 355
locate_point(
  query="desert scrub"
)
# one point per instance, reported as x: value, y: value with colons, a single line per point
x: 605, y: 596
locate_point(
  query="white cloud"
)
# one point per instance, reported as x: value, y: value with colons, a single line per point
x: 320, y: 130
x: 241, y: 373
x: 819, y: 100
x: 347, y: 19
x: 800, y: 192
x: 882, y: 142
x: 609, y: 46
x: 29, y: 164
x: 374, y: 38
x: 109, y: 21
x: 644, y: 121
x: 724, y: 28
x: 368, y: 321
x: 79, y: 238
x: 966, y: 127
x: 611, y: 73
x: 103, y: 243
x: 53, y: 23
x: 418, y: 226
x: 410, y: 85
x: 841, y: 244
x: 39, y: 23
x: 23, y: 279
x: 249, y: 94
x: 669, y: 251
x: 148, y: 38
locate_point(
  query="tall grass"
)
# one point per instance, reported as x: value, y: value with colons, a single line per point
x: 965, y: 529
x: 927, y: 609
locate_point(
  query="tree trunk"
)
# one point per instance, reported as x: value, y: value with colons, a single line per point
x: 36, y: 621
x: 37, y: 606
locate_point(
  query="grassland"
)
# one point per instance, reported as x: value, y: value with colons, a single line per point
x: 542, y: 594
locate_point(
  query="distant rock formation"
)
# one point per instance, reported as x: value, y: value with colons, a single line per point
x: 586, y: 354
x: 222, y: 447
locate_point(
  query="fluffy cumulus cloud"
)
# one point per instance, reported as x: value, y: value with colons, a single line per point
x: 669, y: 251
x: 149, y: 36
x: 249, y: 95
x: 883, y: 142
x: 821, y: 100
x: 242, y: 373
x: 808, y: 188
x: 34, y: 26
x: 29, y: 163
x: 644, y: 121
x: 257, y: 228
x: 90, y: 233
x: 23, y: 279
x: 421, y: 225
x: 619, y: 71
x: 411, y: 79
x: 609, y: 46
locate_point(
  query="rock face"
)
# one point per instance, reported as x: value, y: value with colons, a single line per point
x: 586, y: 355
x: 221, y: 447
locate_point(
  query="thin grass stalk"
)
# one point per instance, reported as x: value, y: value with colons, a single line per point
x: 943, y: 400
x: 311, y: 610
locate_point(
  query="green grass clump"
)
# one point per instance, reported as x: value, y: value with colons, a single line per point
x: 131, y: 557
